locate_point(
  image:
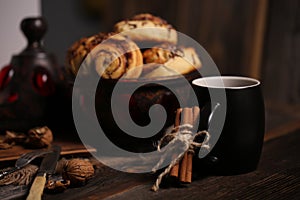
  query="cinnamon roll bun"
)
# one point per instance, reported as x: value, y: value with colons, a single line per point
x: 111, y: 56
x: 147, y: 28
x: 182, y: 60
x: 78, y: 51
x: 115, y: 57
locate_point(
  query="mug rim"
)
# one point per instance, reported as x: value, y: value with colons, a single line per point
x: 197, y: 82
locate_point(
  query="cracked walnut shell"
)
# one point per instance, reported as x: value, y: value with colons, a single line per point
x: 39, y: 137
x: 56, y: 186
x: 78, y: 171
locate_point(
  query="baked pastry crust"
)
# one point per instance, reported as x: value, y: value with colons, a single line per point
x: 147, y: 28
x: 188, y: 62
x: 78, y: 51
x: 117, y: 54
x: 116, y: 57
x: 155, y: 70
x: 182, y: 60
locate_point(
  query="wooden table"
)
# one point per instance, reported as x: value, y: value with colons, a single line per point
x: 277, y: 176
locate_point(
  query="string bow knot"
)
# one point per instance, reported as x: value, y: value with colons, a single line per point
x: 185, y: 135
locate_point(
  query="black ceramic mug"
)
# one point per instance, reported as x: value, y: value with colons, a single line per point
x: 237, y: 124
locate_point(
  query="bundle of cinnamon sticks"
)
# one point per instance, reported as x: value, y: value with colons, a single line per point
x: 183, y: 169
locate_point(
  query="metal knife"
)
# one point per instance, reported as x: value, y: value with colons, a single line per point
x: 47, y: 167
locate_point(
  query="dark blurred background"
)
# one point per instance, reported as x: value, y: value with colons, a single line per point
x: 256, y: 38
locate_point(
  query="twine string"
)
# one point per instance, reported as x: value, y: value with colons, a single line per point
x: 184, y: 134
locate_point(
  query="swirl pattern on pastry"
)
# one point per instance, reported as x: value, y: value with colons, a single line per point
x: 147, y: 28
x: 116, y: 57
x: 78, y: 51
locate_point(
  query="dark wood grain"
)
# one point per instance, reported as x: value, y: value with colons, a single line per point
x: 281, y: 119
x: 70, y: 147
x: 281, y: 61
x: 107, y: 182
x: 277, y: 177
x: 231, y: 31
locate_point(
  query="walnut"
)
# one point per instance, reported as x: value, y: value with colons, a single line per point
x: 14, y: 138
x: 78, y: 171
x: 39, y: 137
x: 4, y: 145
x: 61, y: 166
x: 56, y: 186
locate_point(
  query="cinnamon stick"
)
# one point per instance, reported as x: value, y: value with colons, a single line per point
x: 187, y: 115
x: 189, y: 168
x: 175, y: 169
x: 177, y: 118
x: 183, y: 167
x: 196, y: 115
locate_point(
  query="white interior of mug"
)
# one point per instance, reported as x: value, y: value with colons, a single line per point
x: 226, y: 82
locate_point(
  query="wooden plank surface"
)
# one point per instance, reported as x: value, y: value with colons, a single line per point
x: 277, y: 177
x: 68, y: 147
x: 281, y: 119
x: 281, y: 57
x: 278, y: 169
x: 257, y: 47
x: 231, y: 31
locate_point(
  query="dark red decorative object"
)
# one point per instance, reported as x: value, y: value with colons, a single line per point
x: 32, y: 85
